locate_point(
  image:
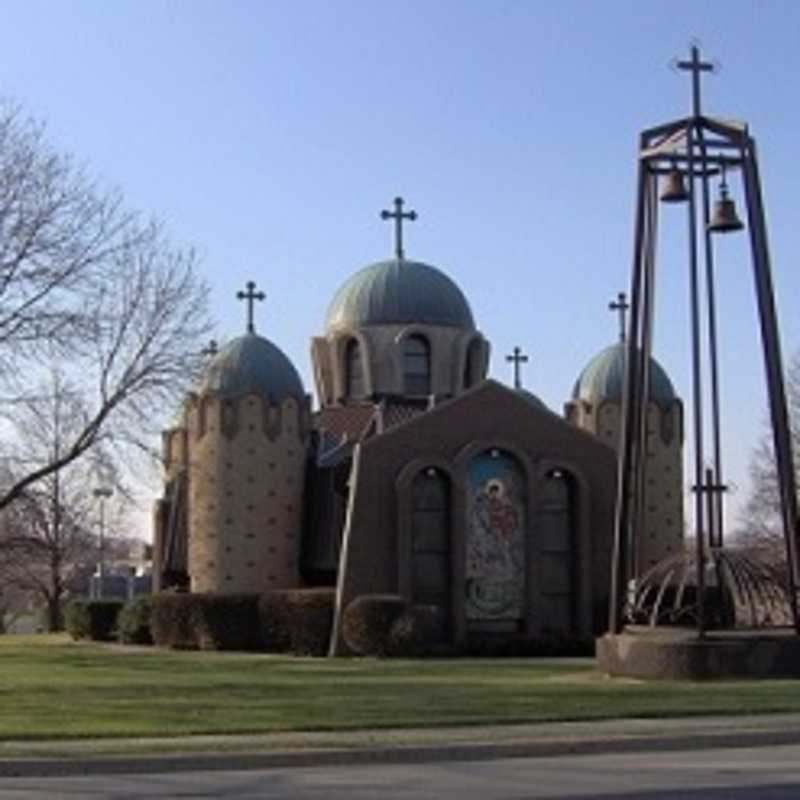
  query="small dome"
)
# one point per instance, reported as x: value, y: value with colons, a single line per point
x: 602, y: 379
x: 252, y: 363
x: 399, y: 292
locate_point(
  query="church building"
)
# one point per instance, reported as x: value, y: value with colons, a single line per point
x: 414, y: 473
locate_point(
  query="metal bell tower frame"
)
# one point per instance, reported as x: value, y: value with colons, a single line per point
x: 687, y: 155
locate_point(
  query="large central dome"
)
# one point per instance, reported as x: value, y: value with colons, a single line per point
x: 399, y: 292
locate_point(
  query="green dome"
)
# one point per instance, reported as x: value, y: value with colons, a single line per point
x: 602, y: 379
x: 399, y: 292
x: 252, y: 363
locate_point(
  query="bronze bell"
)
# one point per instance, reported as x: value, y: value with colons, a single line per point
x: 724, y: 219
x: 674, y: 190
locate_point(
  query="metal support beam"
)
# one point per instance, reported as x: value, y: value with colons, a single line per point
x: 622, y: 509
x: 774, y: 370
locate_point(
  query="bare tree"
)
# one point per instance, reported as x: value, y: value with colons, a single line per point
x: 47, y: 543
x: 760, y: 522
x: 14, y: 604
x: 88, y: 287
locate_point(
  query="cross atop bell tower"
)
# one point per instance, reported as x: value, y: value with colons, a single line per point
x: 695, y: 66
x: 398, y: 215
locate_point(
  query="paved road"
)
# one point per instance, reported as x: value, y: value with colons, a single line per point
x: 765, y: 773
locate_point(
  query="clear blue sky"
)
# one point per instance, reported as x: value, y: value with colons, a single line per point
x: 270, y: 134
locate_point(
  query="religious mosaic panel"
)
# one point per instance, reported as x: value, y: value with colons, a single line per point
x: 495, y: 541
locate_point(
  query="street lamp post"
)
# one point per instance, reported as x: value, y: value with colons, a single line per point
x: 102, y: 493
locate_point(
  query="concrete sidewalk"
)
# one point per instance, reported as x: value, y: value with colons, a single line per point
x: 117, y: 756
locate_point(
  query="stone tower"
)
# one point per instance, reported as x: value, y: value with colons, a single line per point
x: 247, y: 432
x: 596, y: 406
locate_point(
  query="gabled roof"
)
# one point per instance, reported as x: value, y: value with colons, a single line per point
x: 502, y: 413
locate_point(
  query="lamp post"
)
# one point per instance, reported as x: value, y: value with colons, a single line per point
x: 102, y: 493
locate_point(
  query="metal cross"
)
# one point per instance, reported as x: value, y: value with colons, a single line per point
x: 695, y: 66
x: 621, y: 306
x: 251, y: 295
x: 517, y: 358
x: 211, y: 349
x: 398, y: 215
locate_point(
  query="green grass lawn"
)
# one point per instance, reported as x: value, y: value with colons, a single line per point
x: 53, y: 688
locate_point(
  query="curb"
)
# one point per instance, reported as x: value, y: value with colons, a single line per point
x: 404, y: 754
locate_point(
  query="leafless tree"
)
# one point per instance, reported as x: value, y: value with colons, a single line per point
x: 47, y: 541
x: 14, y: 604
x: 87, y: 286
x: 45, y: 545
x: 760, y: 523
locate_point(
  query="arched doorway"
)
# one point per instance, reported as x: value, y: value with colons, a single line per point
x: 431, y: 578
x: 495, y: 544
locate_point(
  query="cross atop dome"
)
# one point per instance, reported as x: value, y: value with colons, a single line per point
x: 517, y: 358
x: 621, y: 306
x: 398, y: 215
x: 251, y: 295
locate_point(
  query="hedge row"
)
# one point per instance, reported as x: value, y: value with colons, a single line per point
x: 205, y: 621
x: 293, y: 620
x: 298, y: 621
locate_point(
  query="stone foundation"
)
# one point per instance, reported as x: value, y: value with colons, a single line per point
x: 678, y: 654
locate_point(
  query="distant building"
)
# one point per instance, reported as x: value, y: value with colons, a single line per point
x: 124, y: 577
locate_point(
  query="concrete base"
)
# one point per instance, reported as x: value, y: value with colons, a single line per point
x: 678, y: 654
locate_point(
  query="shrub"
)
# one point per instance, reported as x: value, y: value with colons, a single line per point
x: 367, y: 623
x: 310, y: 620
x: 133, y: 622
x: 206, y: 621
x: 273, y: 615
x: 172, y: 621
x: 92, y: 619
x: 228, y: 622
x: 418, y: 631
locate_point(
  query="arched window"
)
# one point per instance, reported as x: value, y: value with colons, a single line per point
x: 430, y: 543
x: 557, y: 551
x: 416, y: 365
x: 354, y: 370
x: 472, y: 364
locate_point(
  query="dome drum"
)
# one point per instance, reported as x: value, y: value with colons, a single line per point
x: 397, y: 361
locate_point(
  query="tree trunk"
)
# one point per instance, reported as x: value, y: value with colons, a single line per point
x: 55, y: 617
